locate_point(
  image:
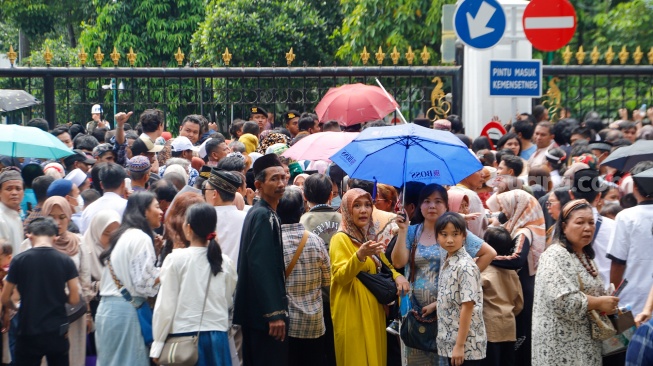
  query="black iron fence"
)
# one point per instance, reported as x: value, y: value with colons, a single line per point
x: 223, y: 94
x: 604, y: 89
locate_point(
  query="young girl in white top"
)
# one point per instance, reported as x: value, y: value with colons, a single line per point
x: 185, y: 277
x: 461, y: 330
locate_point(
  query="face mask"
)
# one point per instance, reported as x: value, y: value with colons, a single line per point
x: 80, y: 204
x: 609, y: 202
x: 335, y: 202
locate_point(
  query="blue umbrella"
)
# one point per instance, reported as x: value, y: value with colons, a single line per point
x: 31, y: 142
x: 403, y: 153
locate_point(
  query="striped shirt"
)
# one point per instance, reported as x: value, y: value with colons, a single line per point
x: 304, y: 285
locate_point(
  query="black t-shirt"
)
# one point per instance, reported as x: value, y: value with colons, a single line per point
x: 41, y: 274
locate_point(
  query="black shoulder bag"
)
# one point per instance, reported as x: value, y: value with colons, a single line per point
x: 418, y: 332
x: 381, y: 284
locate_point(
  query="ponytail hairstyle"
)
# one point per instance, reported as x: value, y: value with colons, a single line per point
x: 202, y: 220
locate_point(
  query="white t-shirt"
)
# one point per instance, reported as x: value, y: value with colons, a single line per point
x: 632, y: 244
x: 229, y: 229
x: 109, y: 201
x: 600, y: 246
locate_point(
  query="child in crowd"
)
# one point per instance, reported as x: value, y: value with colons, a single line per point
x: 459, y: 202
x: 461, y: 331
x: 502, y: 301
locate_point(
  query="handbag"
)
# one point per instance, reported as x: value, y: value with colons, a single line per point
x: 75, y: 312
x: 381, y: 284
x: 600, y: 325
x: 416, y: 331
x: 182, y: 350
x: 143, y: 309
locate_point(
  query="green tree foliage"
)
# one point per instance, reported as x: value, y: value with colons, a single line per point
x: 389, y: 23
x: 41, y: 19
x: 263, y: 31
x: 154, y: 28
x: 627, y: 24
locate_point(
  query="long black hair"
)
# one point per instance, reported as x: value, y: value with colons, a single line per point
x: 202, y: 220
x: 565, y: 213
x: 428, y: 190
x: 133, y: 218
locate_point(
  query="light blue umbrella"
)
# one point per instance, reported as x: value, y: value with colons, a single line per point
x: 403, y: 153
x: 31, y: 142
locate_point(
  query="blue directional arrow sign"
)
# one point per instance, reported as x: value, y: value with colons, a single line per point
x: 480, y: 23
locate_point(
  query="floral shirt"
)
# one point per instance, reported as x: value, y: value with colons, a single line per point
x: 460, y: 281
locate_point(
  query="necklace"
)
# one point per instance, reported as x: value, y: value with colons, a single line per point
x: 587, y: 264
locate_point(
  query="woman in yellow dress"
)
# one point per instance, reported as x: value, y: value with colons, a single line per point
x: 358, y: 318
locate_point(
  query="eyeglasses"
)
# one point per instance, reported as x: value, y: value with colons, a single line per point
x: 206, y: 189
x: 549, y: 204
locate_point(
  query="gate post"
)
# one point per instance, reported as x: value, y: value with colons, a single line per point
x: 49, y: 100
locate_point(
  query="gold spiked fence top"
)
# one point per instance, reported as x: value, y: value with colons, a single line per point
x: 396, y: 57
x: 613, y: 55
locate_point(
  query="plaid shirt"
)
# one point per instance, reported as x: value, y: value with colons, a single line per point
x: 304, y: 285
x: 640, y: 348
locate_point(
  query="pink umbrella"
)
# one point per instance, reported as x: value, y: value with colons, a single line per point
x: 355, y: 103
x: 319, y: 146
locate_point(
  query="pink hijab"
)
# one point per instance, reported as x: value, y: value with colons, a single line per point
x: 456, y: 199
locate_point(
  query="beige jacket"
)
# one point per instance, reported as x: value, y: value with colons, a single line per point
x: 502, y: 301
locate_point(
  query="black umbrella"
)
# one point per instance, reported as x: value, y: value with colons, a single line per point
x: 10, y: 100
x: 624, y: 158
x: 645, y: 180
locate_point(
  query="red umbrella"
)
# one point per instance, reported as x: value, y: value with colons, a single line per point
x: 319, y: 146
x: 355, y: 103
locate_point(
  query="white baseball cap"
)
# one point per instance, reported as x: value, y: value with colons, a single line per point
x: 182, y: 143
x: 96, y: 109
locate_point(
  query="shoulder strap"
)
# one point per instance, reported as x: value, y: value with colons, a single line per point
x: 206, y: 294
x: 113, y: 275
x: 413, y: 249
x: 295, y: 258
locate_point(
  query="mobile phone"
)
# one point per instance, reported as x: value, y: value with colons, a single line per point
x: 125, y: 294
x: 402, y: 213
x: 128, y: 184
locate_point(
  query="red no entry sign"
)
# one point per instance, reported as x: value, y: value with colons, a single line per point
x: 549, y: 24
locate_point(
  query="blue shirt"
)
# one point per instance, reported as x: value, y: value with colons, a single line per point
x: 640, y: 348
x: 526, y: 154
x: 28, y: 198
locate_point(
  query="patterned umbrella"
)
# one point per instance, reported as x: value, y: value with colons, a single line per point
x: 10, y: 100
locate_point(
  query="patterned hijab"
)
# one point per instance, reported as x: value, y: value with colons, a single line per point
x: 524, y: 212
x: 347, y: 225
x: 67, y: 243
x: 272, y: 139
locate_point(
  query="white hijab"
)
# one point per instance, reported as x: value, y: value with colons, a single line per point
x: 91, y: 239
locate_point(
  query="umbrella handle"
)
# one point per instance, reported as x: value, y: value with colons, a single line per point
x: 390, y: 98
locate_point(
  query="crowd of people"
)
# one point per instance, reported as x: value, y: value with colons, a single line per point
x: 140, y: 239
